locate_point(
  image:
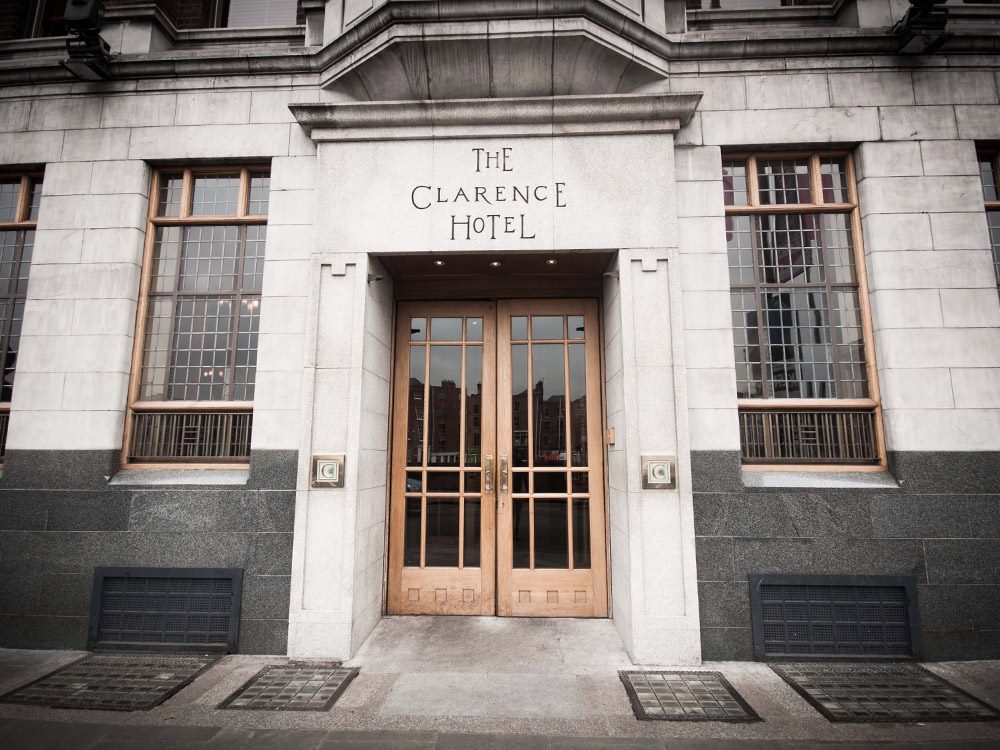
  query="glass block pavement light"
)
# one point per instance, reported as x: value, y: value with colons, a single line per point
x: 685, y: 696
x: 113, y: 682
x: 882, y: 692
x: 292, y: 687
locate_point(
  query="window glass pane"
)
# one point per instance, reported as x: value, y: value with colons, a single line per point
x: 445, y: 395
x: 166, y: 254
x: 783, y: 181
x: 833, y: 177
x: 446, y: 329
x: 738, y: 244
x: 581, y: 533
x: 16, y: 311
x: 170, y: 195
x: 9, y: 241
x: 215, y: 195
x: 993, y: 220
x: 441, y: 539
x: 548, y: 372
x: 10, y: 190
x: 246, y: 349
x: 250, y: 13
x: 411, y: 532
x: 789, y: 248
x: 800, y: 353
x: 519, y: 328
x: 253, y: 258
x: 989, y: 179
x: 473, y: 329
x: 35, y: 200
x: 209, y: 259
x: 578, y: 404
x: 546, y: 327
x: 519, y: 405
x: 415, y: 408
x: 260, y: 186
x: 746, y: 340
x: 575, y: 323
x: 473, y: 404
x: 442, y: 481
x: 851, y: 373
x: 156, y: 349
x: 734, y: 183
x: 839, y: 243
x: 418, y: 329
x: 201, y: 346
x: 521, y: 531
x: 473, y: 524
x: 551, y: 534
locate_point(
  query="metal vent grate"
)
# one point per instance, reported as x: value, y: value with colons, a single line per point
x: 833, y: 616
x: 178, y: 607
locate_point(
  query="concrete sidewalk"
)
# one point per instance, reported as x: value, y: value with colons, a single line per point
x: 474, y: 682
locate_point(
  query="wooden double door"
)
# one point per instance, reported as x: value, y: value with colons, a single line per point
x: 497, y: 497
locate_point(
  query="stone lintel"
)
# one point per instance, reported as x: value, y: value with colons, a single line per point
x: 644, y: 112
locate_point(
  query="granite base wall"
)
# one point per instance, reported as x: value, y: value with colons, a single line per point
x: 941, y: 525
x: 59, y: 519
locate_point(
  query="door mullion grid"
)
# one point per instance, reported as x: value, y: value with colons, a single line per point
x: 425, y: 444
x: 569, y: 446
x: 531, y: 450
x: 461, y: 453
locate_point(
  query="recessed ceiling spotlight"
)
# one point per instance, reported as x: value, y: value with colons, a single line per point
x: 495, y: 264
x: 551, y: 262
x: 439, y: 263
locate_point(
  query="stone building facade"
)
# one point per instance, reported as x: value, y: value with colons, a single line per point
x: 782, y: 218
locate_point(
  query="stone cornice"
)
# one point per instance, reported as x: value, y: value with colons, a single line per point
x: 213, y: 52
x: 458, y: 117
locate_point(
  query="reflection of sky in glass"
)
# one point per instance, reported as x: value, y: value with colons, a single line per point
x: 547, y: 366
x: 446, y: 364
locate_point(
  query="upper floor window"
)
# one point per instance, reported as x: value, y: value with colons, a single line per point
x: 989, y: 174
x: 26, y: 19
x: 20, y: 196
x: 801, y: 334
x: 196, y: 355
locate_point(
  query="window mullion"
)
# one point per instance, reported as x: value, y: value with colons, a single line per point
x: 762, y: 343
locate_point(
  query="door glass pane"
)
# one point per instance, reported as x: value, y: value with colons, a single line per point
x: 473, y: 481
x: 441, y: 545
x: 411, y: 533
x: 521, y: 525
x: 578, y: 403
x: 415, y: 408
x: 414, y: 481
x: 446, y: 329
x: 438, y: 481
x: 473, y: 329
x: 519, y: 407
x: 473, y: 404
x: 551, y: 534
x: 550, y: 482
x: 549, y: 396
x: 546, y: 327
x: 581, y: 533
x: 519, y: 328
x: 519, y: 482
x: 581, y: 483
x: 470, y: 554
x: 445, y: 404
x: 575, y: 325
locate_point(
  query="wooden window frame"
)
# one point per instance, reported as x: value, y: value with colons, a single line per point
x: 22, y: 224
x: 185, y: 219
x: 993, y: 157
x: 817, y: 206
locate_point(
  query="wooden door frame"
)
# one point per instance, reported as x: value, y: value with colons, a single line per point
x: 396, y: 443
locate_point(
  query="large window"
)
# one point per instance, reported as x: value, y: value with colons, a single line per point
x: 802, y: 340
x: 989, y: 173
x: 20, y: 196
x: 196, y: 354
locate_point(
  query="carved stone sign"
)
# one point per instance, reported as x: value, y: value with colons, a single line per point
x: 490, y: 209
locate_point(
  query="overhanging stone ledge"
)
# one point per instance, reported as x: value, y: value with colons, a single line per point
x: 667, y: 110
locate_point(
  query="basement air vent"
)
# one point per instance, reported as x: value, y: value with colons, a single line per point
x: 822, y: 617
x: 174, y: 608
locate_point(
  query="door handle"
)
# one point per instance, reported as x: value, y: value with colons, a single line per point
x: 503, y: 473
x: 488, y: 475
